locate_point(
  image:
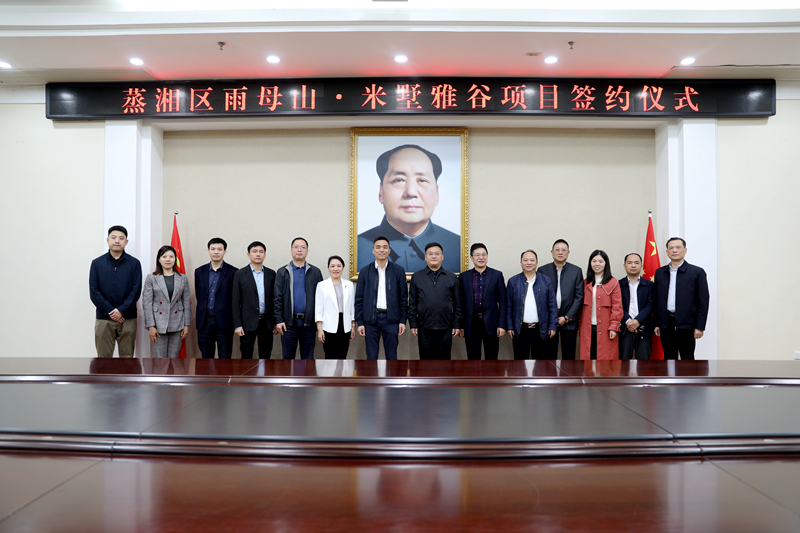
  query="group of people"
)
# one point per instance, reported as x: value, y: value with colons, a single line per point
x: 541, y: 308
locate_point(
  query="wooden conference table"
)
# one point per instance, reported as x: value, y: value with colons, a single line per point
x: 250, y: 445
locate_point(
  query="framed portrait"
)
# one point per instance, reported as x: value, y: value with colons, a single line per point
x: 410, y: 186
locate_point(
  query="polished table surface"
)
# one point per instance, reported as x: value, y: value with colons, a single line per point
x: 349, y: 372
x: 93, y: 494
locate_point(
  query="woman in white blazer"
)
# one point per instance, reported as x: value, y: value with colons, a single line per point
x: 335, y: 311
x: 166, y: 305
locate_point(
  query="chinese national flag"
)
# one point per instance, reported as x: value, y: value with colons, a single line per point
x: 179, y: 267
x: 651, y: 264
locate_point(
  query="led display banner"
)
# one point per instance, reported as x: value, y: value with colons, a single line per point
x: 598, y: 97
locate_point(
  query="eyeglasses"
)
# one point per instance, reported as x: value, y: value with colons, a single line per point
x: 480, y: 256
x: 433, y: 254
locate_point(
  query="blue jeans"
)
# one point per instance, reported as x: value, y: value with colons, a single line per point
x: 306, y: 335
x: 390, y: 338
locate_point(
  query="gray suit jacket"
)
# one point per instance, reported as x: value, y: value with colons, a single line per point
x: 166, y: 315
x: 571, y: 290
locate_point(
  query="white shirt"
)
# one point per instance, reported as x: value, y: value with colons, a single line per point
x: 597, y: 280
x: 558, y: 287
x: 381, y: 303
x: 633, y: 305
x: 673, y: 281
x: 531, y: 314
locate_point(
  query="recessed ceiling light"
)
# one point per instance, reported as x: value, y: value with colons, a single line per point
x: 273, y: 59
x: 551, y: 59
x: 3, y: 64
x: 687, y: 61
x: 136, y: 61
x: 401, y: 58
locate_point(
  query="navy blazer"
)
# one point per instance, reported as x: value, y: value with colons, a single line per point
x: 545, y: 295
x: 494, y: 300
x: 644, y: 297
x: 571, y: 290
x: 691, y: 297
x: 222, y: 301
x: 367, y: 295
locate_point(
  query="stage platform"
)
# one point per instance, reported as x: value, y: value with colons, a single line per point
x: 252, y: 445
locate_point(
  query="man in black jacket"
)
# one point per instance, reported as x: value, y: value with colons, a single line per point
x: 434, y: 306
x: 381, y: 301
x: 681, y: 303
x: 252, y: 303
x: 568, y: 283
x: 115, y: 284
x: 295, y: 291
x: 213, y: 284
x: 636, y: 338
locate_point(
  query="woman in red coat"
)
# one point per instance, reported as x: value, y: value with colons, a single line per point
x: 602, y: 310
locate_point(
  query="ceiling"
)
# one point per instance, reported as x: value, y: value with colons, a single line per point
x: 48, y: 41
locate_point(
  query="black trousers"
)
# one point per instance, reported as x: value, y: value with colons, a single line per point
x: 529, y: 344
x: 211, y: 338
x: 569, y: 344
x: 593, y: 346
x: 434, y: 344
x: 477, y: 336
x: 677, y: 341
x: 634, y: 345
x: 263, y: 334
x: 337, y: 344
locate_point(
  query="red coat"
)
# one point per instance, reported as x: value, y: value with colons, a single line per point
x: 609, y: 316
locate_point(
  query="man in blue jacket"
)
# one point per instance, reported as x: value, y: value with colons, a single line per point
x: 115, y: 284
x: 636, y: 338
x: 212, y: 288
x: 681, y: 303
x: 381, y: 305
x: 532, y: 313
x: 483, y: 295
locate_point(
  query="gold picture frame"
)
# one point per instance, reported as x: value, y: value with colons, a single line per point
x: 397, y: 212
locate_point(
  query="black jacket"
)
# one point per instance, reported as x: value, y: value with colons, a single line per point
x: 691, y: 297
x: 434, y: 304
x: 644, y: 297
x: 222, y: 301
x: 367, y: 295
x: 244, y: 298
x: 571, y: 290
x: 115, y: 285
x: 283, y: 308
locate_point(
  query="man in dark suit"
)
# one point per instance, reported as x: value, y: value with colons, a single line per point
x: 381, y: 304
x: 212, y: 288
x: 409, y: 193
x: 681, y: 302
x: 252, y: 301
x: 636, y: 338
x: 567, y: 281
x: 483, y: 295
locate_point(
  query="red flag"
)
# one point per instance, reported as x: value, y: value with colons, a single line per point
x: 651, y: 264
x: 179, y: 267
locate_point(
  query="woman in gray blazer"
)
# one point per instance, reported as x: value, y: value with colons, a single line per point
x: 165, y: 301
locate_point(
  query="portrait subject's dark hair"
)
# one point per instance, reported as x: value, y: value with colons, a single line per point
x: 558, y: 241
x: 477, y: 246
x: 118, y: 228
x: 676, y: 239
x: 531, y: 251
x: 380, y: 238
x: 606, y: 272
x: 217, y: 240
x: 331, y: 258
x: 630, y: 254
x: 299, y: 239
x: 254, y: 244
x: 433, y: 244
x: 382, y: 164
x: 159, y: 271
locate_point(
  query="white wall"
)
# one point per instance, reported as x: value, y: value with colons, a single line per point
x: 759, y: 220
x: 51, y: 218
